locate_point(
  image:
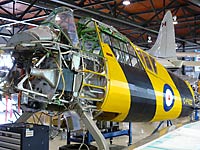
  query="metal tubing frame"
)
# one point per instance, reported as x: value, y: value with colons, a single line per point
x: 92, y: 128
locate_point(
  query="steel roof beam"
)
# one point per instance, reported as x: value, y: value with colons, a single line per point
x: 38, y: 5
x: 6, y: 2
x: 154, y: 9
x: 5, y: 34
x: 6, y: 11
x: 151, y: 11
x: 81, y: 11
x: 191, y: 10
x: 30, y: 11
x: 82, y: 2
x: 145, y: 23
x: 194, y: 2
x: 27, y: 9
x: 109, y: 18
x: 26, y: 21
x: 97, y: 3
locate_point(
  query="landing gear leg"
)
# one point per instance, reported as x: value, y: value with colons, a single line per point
x: 92, y: 128
x: 24, y: 117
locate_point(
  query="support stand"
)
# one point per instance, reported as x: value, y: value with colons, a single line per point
x: 169, y: 123
x: 196, y: 114
x: 109, y: 132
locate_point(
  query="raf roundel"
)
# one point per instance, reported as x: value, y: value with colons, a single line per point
x: 168, y: 97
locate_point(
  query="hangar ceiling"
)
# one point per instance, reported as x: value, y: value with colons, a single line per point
x: 137, y: 21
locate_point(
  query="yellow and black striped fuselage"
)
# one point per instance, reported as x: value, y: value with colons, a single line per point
x: 140, y: 95
x: 139, y: 91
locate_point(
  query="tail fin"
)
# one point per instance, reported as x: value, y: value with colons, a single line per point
x: 165, y: 46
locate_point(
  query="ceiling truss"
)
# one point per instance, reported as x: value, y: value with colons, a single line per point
x: 134, y: 24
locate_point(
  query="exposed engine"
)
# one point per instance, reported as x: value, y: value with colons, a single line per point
x: 46, y: 66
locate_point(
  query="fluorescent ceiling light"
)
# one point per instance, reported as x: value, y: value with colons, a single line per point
x: 175, y: 20
x: 126, y: 2
x: 176, y: 46
x: 149, y: 39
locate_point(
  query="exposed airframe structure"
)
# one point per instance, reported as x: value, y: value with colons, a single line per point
x: 94, y: 70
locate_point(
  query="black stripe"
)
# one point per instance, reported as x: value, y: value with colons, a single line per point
x: 185, y: 95
x: 143, y: 100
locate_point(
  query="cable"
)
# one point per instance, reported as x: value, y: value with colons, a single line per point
x: 61, y: 73
x: 83, y: 141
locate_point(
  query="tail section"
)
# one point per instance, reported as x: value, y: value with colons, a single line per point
x: 165, y: 46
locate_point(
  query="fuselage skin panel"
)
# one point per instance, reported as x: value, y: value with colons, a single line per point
x: 142, y: 95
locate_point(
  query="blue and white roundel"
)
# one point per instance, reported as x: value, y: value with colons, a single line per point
x: 168, y: 97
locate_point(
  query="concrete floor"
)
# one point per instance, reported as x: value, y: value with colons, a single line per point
x: 59, y: 141
x: 183, y: 138
x: 117, y: 145
x: 140, y: 131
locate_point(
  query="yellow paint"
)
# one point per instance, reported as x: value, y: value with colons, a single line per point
x: 118, y: 97
x: 163, y: 131
x: 190, y: 88
x: 158, y: 85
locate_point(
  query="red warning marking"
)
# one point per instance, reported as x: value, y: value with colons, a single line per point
x: 164, y: 24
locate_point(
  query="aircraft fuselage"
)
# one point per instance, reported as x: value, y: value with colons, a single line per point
x: 138, y: 87
x: 108, y: 73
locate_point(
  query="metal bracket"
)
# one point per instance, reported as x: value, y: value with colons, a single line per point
x: 91, y: 126
x: 24, y: 117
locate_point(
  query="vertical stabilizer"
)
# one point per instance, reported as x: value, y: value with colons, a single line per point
x: 165, y: 46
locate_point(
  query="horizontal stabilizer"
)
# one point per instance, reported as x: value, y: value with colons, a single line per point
x: 191, y: 63
x: 187, y: 54
x: 175, y: 64
x: 167, y: 63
